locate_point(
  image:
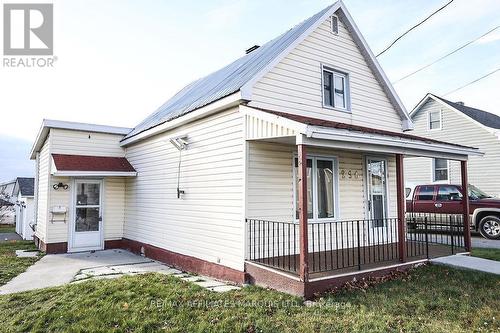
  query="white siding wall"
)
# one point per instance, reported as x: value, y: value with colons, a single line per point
x: 270, y: 182
x: 207, y: 222
x: 43, y: 190
x: 294, y: 85
x: 85, y: 143
x: 483, y: 171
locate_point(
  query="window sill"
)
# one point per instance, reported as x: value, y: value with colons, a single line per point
x: 336, y: 109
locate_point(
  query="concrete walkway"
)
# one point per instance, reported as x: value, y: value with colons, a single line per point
x: 473, y: 263
x: 58, y: 269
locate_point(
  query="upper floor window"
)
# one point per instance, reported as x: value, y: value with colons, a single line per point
x: 440, y: 170
x: 335, y: 25
x: 335, y: 89
x: 435, y: 119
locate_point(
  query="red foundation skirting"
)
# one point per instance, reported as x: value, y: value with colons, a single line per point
x: 269, y: 279
x: 51, y: 248
x: 184, y: 262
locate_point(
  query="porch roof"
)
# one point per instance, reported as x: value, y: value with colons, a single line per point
x: 316, y: 132
x: 83, y: 165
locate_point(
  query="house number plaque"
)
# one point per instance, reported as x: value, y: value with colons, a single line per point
x: 349, y: 174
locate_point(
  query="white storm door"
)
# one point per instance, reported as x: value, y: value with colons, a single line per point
x: 377, y: 199
x: 87, y: 216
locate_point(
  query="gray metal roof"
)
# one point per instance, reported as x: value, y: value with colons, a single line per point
x: 487, y: 119
x: 225, y: 81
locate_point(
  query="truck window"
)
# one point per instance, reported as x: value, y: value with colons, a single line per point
x: 448, y: 193
x: 425, y: 193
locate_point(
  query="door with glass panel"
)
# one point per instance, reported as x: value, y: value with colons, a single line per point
x: 377, y: 197
x: 87, y: 216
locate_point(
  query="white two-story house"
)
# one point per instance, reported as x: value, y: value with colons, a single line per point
x: 284, y: 169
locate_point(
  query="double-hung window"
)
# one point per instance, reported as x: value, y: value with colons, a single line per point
x: 435, y: 120
x: 321, y: 188
x: 335, y: 89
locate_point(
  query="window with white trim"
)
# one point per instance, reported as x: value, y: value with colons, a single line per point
x: 322, y: 201
x: 440, y: 170
x: 435, y: 119
x: 335, y: 89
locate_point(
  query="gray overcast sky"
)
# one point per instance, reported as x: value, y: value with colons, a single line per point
x: 118, y: 60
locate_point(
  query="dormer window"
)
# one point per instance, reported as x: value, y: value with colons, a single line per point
x: 335, y: 89
x: 435, y: 120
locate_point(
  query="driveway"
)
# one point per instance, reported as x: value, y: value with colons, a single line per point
x: 485, y: 243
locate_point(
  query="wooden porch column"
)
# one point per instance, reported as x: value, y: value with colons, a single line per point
x: 465, y: 205
x: 303, y: 235
x: 401, y: 202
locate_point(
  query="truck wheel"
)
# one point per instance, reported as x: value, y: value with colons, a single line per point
x: 489, y: 227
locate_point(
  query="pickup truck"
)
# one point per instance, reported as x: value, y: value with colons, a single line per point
x: 447, y: 199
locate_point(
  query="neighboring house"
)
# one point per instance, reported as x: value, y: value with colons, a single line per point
x: 283, y: 169
x: 7, y: 210
x: 437, y: 118
x: 25, y: 215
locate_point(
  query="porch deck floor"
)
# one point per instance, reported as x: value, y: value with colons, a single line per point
x: 344, y: 261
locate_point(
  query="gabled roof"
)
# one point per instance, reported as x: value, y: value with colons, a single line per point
x: 483, y: 117
x: 26, y: 186
x: 244, y: 72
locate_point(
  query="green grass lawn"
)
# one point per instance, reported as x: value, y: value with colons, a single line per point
x: 10, y: 265
x: 430, y: 299
x: 492, y: 254
x: 5, y: 228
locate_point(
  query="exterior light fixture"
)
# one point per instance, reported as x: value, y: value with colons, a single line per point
x: 60, y: 185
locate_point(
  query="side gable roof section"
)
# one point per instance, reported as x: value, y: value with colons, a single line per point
x: 242, y: 74
x: 487, y: 120
x: 47, y: 124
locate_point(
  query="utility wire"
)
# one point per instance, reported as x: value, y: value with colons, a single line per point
x: 446, y: 55
x: 415, y: 26
x: 472, y: 82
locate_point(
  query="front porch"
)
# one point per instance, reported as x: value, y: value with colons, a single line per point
x: 326, y: 203
x: 346, y: 247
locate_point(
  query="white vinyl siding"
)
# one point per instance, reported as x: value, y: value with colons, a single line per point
x: 85, y: 143
x: 458, y: 128
x: 43, y: 190
x: 207, y: 222
x: 294, y: 85
x: 113, y: 207
x: 270, y: 182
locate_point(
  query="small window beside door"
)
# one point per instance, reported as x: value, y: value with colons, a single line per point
x: 435, y: 120
x: 440, y: 170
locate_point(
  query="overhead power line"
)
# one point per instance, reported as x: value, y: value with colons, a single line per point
x: 446, y: 55
x: 415, y: 26
x: 472, y: 82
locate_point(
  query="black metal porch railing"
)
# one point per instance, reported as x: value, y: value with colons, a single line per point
x: 353, y: 244
x: 426, y: 231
